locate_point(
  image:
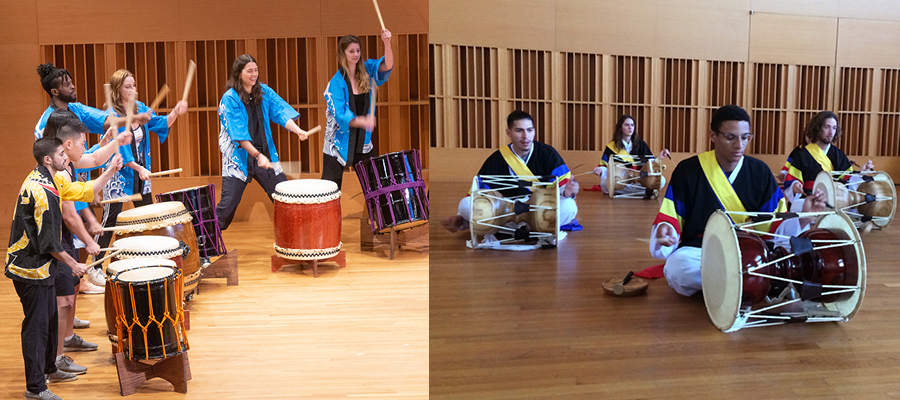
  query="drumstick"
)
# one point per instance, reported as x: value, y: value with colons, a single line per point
x: 124, y: 199
x: 111, y: 248
x: 372, y: 88
x: 314, y: 130
x: 108, y: 90
x: 108, y: 256
x: 378, y: 11
x: 169, y: 172
x: 163, y: 91
x: 192, y: 68
x: 129, y: 112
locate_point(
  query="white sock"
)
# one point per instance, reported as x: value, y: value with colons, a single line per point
x: 70, y: 337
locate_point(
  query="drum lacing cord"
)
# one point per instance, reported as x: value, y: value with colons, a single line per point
x: 830, y: 243
x: 178, y: 321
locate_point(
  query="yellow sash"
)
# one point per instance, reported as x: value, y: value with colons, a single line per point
x: 518, y: 167
x: 720, y: 185
x: 820, y: 157
x: 624, y: 155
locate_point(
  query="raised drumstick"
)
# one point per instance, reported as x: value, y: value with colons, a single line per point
x: 314, y: 130
x: 192, y: 69
x: 163, y: 91
x: 108, y: 90
x: 169, y: 172
x: 378, y: 11
x: 125, y: 199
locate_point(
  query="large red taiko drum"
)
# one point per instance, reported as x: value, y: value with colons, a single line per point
x: 307, y: 219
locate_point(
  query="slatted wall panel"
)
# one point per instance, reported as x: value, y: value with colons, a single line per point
x: 811, y: 94
x: 529, y: 82
x: 630, y: 77
x: 91, y: 66
x: 725, y: 85
x: 679, y: 104
x: 436, y: 92
x: 581, y: 104
x: 889, y: 115
x: 854, y: 107
x: 474, y: 97
x: 769, y: 112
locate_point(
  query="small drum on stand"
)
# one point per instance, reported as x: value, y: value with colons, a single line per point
x: 747, y: 285
x: 200, y: 201
x: 625, y: 181
x: 307, y: 222
x: 170, y: 219
x: 394, y: 191
x: 150, y: 323
x: 871, y: 198
x: 524, y: 217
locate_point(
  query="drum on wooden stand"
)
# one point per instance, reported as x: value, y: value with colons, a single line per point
x: 531, y: 216
x: 137, y: 247
x: 170, y: 219
x: 307, y: 219
x: 626, y: 181
x: 200, y: 201
x: 394, y: 191
x: 149, y: 311
x: 114, y: 269
x: 863, y: 196
x: 745, y: 284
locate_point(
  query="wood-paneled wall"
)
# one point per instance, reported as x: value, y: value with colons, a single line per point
x: 582, y: 64
x: 294, y: 42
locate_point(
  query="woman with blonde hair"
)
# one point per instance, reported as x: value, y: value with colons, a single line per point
x: 348, y: 134
x: 134, y: 177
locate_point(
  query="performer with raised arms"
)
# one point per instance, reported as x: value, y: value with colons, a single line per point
x: 348, y: 133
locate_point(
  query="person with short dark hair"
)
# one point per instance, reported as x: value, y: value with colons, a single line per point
x: 245, y: 136
x: 348, y: 131
x: 523, y: 156
x: 819, y: 154
x: 71, y: 134
x: 723, y: 178
x: 33, y: 256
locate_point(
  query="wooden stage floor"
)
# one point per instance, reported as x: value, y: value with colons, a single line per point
x: 537, y: 325
x: 354, y: 332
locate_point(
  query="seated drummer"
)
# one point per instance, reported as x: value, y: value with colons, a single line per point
x: 524, y: 156
x: 819, y: 154
x: 628, y: 145
x: 723, y: 178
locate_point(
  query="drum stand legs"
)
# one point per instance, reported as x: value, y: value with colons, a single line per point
x: 340, y: 259
x: 416, y: 237
x: 224, y: 267
x: 175, y: 370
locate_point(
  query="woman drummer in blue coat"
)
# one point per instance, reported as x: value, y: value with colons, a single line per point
x: 245, y: 135
x: 348, y: 134
x: 134, y: 177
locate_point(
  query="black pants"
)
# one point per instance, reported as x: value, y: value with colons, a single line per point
x: 332, y: 170
x: 39, y: 332
x: 111, y: 213
x: 233, y: 190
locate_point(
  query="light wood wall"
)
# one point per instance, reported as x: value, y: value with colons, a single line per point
x: 576, y: 65
x: 294, y: 41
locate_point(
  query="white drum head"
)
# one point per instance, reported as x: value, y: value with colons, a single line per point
x: 841, y: 223
x: 120, y: 266
x: 720, y: 267
x: 151, y: 210
x: 145, y: 274
x: 883, y: 176
x: 611, y: 174
x: 133, y: 244
x: 306, y: 191
x: 825, y: 183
